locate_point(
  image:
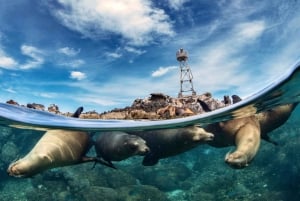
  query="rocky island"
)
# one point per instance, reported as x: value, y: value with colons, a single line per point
x: 156, y: 106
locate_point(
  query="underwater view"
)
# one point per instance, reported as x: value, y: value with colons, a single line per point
x: 147, y: 100
x: 198, y: 174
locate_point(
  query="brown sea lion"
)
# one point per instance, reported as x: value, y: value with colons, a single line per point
x: 118, y: 146
x: 56, y: 148
x: 245, y: 133
x: 169, y: 142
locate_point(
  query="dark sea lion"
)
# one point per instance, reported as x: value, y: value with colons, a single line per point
x: 117, y: 146
x: 169, y: 142
x: 77, y: 112
x: 56, y: 148
x: 235, y: 99
x: 271, y: 119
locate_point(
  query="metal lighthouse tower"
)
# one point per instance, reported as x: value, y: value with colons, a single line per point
x: 186, y: 76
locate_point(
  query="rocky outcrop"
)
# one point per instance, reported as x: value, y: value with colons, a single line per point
x: 156, y: 106
x: 160, y: 106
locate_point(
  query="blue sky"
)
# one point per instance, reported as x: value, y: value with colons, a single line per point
x: 104, y: 54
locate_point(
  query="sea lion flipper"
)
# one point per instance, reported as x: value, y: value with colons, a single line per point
x: 204, y: 106
x: 105, y: 162
x: 86, y: 159
x: 268, y: 139
x: 77, y: 112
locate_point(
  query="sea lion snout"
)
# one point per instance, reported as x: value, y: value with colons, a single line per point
x: 140, y: 147
x: 144, y: 150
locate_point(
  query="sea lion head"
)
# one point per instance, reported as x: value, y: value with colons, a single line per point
x: 136, y: 145
x: 200, y: 134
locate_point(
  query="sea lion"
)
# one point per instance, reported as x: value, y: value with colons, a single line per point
x: 245, y: 133
x: 117, y: 146
x: 271, y: 119
x: 77, y: 113
x: 56, y: 148
x: 169, y: 142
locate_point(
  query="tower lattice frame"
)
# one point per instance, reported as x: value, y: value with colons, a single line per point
x: 186, y: 76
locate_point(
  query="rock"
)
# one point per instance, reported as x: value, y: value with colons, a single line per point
x: 36, y: 106
x: 12, y: 102
x: 9, y: 152
x: 54, y: 109
x: 96, y: 193
x: 114, y: 115
x: 141, y: 192
x: 166, y: 177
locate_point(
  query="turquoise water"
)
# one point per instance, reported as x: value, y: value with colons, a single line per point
x: 199, y: 174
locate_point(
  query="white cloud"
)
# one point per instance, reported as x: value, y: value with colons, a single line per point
x: 48, y: 95
x: 134, y: 50
x: 250, y: 30
x: 162, y: 71
x: 6, y: 61
x: 10, y: 90
x: 177, y: 4
x: 74, y: 63
x: 138, y: 21
x: 77, y: 75
x: 35, y: 54
x: 114, y: 55
x: 68, y: 51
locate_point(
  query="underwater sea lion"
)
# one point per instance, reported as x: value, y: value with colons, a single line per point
x: 56, y: 148
x: 271, y: 119
x: 245, y: 133
x: 169, y: 142
x: 117, y: 146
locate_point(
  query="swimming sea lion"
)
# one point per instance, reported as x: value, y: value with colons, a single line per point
x: 245, y: 133
x: 117, y: 146
x: 56, y: 148
x: 271, y: 119
x: 169, y: 142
